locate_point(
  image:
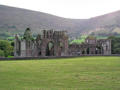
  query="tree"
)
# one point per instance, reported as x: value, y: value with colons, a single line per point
x: 6, y: 47
x: 1, y: 53
x: 115, y: 44
x: 28, y: 35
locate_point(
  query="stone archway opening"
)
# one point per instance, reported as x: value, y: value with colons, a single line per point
x: 88, y: 50
x: 39, y: 54
x: 83, y: 52
x: 50, y: 49
x: 98, y: 50
x: 61, y: 50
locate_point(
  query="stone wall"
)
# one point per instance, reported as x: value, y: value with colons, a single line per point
x: 91, y: 46
x: 49, y: 43
x: 55, y: 43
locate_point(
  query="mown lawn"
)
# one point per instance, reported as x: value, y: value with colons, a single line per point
x: 84, y: 73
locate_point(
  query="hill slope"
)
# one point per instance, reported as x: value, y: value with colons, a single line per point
x: 108, y: 22
x: 14, y: 20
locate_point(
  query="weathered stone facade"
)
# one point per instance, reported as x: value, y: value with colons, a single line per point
x: 55, y: 43
x: 91, y: 46
x: 49, y: 43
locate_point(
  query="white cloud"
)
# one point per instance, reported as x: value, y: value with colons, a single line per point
x: 68, y: 8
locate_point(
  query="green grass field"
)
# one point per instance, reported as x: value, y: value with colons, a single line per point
x: 84, y: 73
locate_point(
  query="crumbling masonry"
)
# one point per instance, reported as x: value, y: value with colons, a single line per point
x: 91, y: 46
x: 49, y: 43
x: 55, y: 43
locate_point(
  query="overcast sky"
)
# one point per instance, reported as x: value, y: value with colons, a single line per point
x: 77, y: 9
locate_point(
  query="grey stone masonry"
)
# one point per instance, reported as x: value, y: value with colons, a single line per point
x: 55, y: 43
x: 49, y: 43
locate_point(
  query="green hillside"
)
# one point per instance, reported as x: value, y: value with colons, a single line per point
x: 15, y: 20
x: 84, y: 73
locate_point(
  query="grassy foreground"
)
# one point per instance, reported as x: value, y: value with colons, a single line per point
x: 85, y: 73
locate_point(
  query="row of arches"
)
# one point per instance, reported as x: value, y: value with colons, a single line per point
x: 93, y: 50
x: 50, y: 48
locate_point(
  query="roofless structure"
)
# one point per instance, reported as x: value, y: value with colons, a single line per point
x: 55, y: 43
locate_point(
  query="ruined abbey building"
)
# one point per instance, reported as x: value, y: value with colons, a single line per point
x: 55, y: 43
x: 49, y: 43
x: 91, y: 46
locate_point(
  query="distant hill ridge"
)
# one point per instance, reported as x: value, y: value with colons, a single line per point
x: 16, y: 20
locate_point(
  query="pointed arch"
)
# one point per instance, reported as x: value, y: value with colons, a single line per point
x: 50, y: 49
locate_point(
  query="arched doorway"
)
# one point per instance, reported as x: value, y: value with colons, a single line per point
x: 50, y: 49
x: 88, y: 51
x: 83, y: 52
x: 39, y: 54
x: 98, y: 50
x: 61, y: 49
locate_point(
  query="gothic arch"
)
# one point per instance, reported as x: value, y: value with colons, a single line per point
x: 88, y: 50
x: 61, y: 49
x: 50, y: 49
